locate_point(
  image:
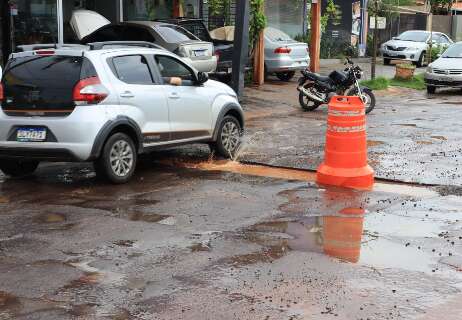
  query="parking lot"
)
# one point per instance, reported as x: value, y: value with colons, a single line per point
x: 194, y: 237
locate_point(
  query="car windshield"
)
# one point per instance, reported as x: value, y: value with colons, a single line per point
x: 174, y: 34
x: 416, y: 36
x: 454, y: 51
x: 197, y: 28
x: 276, y: 35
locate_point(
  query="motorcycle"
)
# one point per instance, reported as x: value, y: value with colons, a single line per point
x: 316, y: 90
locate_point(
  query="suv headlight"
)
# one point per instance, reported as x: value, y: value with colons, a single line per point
x: 430, y: 69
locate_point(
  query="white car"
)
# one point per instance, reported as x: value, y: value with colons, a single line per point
x: 446, y: 71
x: 413, y: 46
x: 107, y: 103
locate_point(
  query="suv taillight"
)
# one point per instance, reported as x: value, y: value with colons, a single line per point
x: 282, y: 50
x: 217, y: 54
x: 89, y: 91
x: 2, y: 95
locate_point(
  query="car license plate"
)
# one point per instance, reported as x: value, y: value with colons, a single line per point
x: 200, y: 53
x: 31, y: 134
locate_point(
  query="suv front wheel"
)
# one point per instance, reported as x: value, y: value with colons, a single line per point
x: 229, y: 137
x: 118, y: 159
x: 14, y: 168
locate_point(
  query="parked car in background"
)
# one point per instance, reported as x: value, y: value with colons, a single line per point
x: 283, y: 55
x: 223, y: 47
x: 413, y: 46
x: 107, y: 105
x: 200, y: 54
x: 446, y: 71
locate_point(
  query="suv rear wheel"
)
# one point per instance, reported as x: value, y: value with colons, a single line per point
x: 229, y: 137
x: 16, y: 168
x: 118, y: 159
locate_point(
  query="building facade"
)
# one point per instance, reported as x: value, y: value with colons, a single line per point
x: 47, y: 21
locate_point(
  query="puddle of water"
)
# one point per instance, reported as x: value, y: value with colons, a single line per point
x: 423, y: 142
x: 439, y: 138
x: 296, y: 175
x: 124, y: 243
x: 51, y: 218
x: 373, y: 143
x: 93, y: 275
x: 200, y: 247
x: 147, y: 217
x: 248, y: 169
x: 405, y: 124
x: 405, y: 190
x: 338, y: 226
x: 8, y: 301
x: 169, y: 221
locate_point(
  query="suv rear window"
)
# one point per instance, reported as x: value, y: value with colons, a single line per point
x: 43, y: 82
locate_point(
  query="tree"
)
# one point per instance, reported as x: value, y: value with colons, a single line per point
x: 440, y: 6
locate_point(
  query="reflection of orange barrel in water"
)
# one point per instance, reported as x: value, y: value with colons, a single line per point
x: 342, y: 234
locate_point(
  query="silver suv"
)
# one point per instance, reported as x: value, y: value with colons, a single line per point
x: 107, y: 103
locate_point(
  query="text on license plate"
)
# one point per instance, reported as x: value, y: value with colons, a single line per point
x: 31, y: 134
x: 200, y: 53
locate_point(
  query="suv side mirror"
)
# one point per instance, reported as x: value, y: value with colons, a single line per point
x: 202, y: 77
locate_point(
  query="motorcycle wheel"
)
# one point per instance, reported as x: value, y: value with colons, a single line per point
x: 368, y: 97
x: 307, y: 104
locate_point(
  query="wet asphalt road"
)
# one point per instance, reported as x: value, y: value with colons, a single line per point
x: 223, y: 242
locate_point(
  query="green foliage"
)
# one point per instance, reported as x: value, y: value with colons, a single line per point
x: 257, y: 21
x: 417, y: 82
x: 220, y: 7
x: 406, y: 66
x: 436, y: 51
x: 441, y: 6
x: 379, y: 83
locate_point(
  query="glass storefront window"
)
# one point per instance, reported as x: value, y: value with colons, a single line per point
x: 35, y: 21
x: 107, y: 8
x: 285, y: 15
x: 159, y: 9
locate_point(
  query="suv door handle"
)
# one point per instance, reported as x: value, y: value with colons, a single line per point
x: 174, y: 95
x: 127, y: 94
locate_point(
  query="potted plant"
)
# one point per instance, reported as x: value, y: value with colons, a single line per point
x: 404, y: 71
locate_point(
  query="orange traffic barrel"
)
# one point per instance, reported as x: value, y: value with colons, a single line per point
x: 345, y: 162
x: 342, y: 234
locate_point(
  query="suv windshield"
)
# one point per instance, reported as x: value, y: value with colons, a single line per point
x: 454, y: 51
x: 43, y: 82
x: 416, y: 36
x: 276, y: 35
x: 175, y: 34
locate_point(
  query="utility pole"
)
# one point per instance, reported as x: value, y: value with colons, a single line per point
x: 315, y: 43
x: 374, y: 49
x: 241, y: 45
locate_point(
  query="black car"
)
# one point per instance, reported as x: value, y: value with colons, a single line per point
x: 223, y: 48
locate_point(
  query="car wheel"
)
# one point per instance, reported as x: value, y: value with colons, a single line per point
x: 14, y: 168
x: 285, y: 76
x: 431, y: 89
x: 118, y: 159
x: 421, y: 60
x: 229, y: 137
x: 386, y: 61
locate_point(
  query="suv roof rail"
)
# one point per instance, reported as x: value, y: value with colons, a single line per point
x: 145, y: 44
x: 32, y: 47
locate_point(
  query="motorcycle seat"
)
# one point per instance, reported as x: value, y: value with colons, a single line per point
x: 317, y: 77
